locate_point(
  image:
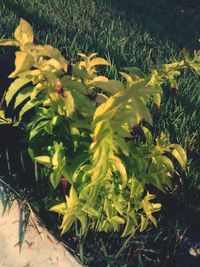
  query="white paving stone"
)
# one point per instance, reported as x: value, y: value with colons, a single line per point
x: 36, y: 251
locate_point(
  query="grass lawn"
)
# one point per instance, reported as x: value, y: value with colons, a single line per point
x: 133, y: 33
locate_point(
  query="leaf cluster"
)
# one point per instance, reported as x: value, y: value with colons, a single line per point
x: 81, y: 130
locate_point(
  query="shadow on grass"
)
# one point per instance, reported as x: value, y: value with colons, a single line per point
x: 32, y: 17
x: 177, y: 21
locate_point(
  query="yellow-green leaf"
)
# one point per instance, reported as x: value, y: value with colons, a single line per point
x: 3, y: 119
x: 8, y: 42
x: 108, y: 208
x: 120, y: 167
x: 69, y: 102
x: 148, y: 135
x: 82, y: 55
x: 24, y: 33
x: 156, y: 207
x: 173, y: 66
x: 98, y: 61
x: 22, y: 96
x: 15, y: 87
x: 73, y: 85
x: 46, y: 160
x: 152, y: 219
x: 149, y: 196
x: 144, y: 223
x: 67, y: 173
x: 82, y: 217
x: 23, y: 62
x: 126, y: 76
x: 135, y: 72
x: 28, y: 106
x: 89, y: 210
x: 166, y: 162
x: 72, y: 200
x: 106, y: 110
x: 56, y: 159
x: 60, y: 208
x: 157, y: 100
x: 67, y: 222
x: 101, y: 98
x: 117, y: 219
x: 109, y: 86
x: 140, y: 111
x: 130, y: 227
x: 55, y: 179
x: 179, y: 153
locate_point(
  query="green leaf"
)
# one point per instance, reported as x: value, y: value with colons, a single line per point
x: 28, y: 106
x: 91, y: 211
x: 122, y: 129
x: 59, y: 157
x: 133, y: 71
x: 36, y: 130
x: 22, y: 96
x: 79, y: 160
x: 140, y: 111
x: 55, y: 179
x: 101, y: 98
x: 82, y: 217
x: 109, y: 86
x: 122, y: 144
x: 166, y: 162
x: 136, y: 188
x: 15, y: 87
x: 80, y: 73
x: 141, y: 89
x: 49, y: 127
x: 196, y: 67
x: 108, y: 208
x: 83, y: 104
x: 66, y: 172
x: 105, y: 226
x: 73, y: 85
x: 56, y: 120
x: 120, y: 167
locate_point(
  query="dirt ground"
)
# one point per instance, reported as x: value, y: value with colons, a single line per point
x: 38, y: 250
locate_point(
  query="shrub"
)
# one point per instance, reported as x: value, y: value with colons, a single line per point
x: 82, y: 129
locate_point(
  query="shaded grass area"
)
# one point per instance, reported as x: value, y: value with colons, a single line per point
x: 139, y: 33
